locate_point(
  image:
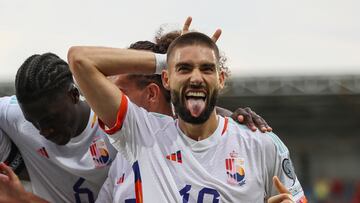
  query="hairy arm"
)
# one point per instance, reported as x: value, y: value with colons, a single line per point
x: 90, y: 67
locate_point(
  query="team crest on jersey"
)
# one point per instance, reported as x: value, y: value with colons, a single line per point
x: 99, y: 152
x: 235, y: 169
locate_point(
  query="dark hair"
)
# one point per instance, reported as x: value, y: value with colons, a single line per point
x: 41, y: 75
x: 164, y: 40
x: 193, y: 38
x: 143, y: 80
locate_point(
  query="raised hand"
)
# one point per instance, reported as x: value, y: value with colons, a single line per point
x: 284, y: 195
x: 251, y: 119
x: 187, y: 24
x: 11, y: 189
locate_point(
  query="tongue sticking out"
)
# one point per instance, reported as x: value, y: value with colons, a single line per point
x: 195, y: 106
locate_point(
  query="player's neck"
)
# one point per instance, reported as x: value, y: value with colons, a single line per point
x: 200, y: 131
x: 163, y: 108
x: 84, y: 112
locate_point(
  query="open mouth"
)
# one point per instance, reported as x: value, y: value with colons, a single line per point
x: 195, y: 95
x: 195, y: 102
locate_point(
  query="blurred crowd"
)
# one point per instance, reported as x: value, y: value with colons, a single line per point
x: 326, y: 190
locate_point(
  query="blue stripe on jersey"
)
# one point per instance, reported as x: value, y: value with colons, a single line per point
x: 136, y: 170
x: 13, y: 100
x: 279, y: 144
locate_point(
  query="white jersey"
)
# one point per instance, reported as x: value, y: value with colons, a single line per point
x: 119, y: 185
x: 5, y: 146
x: 234, y: 164
x: 74, y: 172
x: 9, y: 153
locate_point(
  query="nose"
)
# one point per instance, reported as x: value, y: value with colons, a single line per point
x: 196, y: 77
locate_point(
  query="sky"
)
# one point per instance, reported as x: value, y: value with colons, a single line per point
x: 260, y: 37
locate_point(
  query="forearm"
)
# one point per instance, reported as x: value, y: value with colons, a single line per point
x: 91, y: 65
x: 112, y: 61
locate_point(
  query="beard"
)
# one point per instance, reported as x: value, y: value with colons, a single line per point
x: 181, y: 110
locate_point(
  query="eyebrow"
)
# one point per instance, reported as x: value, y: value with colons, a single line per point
x: 208, y: 64
x: 183, y: 64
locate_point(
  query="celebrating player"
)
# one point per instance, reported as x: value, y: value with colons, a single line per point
x: 200, y: 156
x: 65, y: 152
x: 157, y: 99
x: 63, y: 155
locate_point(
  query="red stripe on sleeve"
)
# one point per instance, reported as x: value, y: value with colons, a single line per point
x: 120, y: 117
x: 138, y: 192
x: 225, y: 125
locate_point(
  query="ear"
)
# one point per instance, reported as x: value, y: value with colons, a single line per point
x: 222, y: 78
x: 153, y: 92
x: 74, y: 94
x: 165, y: 79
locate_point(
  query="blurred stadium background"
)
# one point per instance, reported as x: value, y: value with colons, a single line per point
x: 317, y: 117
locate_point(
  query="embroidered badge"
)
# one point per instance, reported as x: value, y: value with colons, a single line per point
x: 235, y: 169
x: 99, y: 152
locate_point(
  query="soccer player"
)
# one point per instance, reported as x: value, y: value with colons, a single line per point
x: 148, y: 92
x: 66, y: 154
x: 65, y: 164
x: 200, y: 156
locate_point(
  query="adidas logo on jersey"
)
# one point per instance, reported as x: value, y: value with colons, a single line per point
x: 121, y: 179
x: 42, y: 152
x: 175, y: 157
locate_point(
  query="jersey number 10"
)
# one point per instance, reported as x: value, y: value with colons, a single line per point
x: 185, y: 193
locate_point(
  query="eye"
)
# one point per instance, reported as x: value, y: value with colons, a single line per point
x: 208, y: 68
x: 183, y: 68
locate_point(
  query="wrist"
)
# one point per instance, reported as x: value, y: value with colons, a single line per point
x: 160, y: 63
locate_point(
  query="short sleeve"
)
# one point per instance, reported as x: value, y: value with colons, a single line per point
x: 135, y: 129
x: 279, y: 164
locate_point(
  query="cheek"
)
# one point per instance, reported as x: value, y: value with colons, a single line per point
x: 177, y: 82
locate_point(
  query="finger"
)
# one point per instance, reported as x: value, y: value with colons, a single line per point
x: 260, y: 122
x: 4, y: 178
x: 186, y: 25
x: 279, y: 186
x: 216, y: 35
x: 268, y: 128
x: 247, y: 120
x: 240, y: 118
x: 263, y: 127
x: 283, y: 198
x: 266, y: 125
x: 8, y: 171
x: 248, y: 109
x: 250, y: 124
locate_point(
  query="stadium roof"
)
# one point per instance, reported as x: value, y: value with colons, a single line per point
x: 306, y: 85
x: 276, y: 86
